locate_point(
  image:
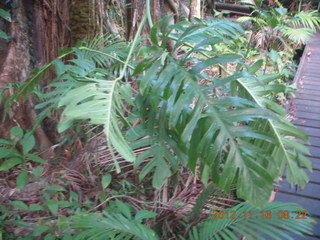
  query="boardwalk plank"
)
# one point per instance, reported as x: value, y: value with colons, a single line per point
x: 309, y: 86
x: 307, y: 115
x: 315, y: 141
x: 311, y: 109
x: 310, y: 71
x: 306, y: 106
x: 310, y: 190
x: 311, y: 81
x: 307, y: 122
x: 315, y: 164
x: 314, y: 177
x: 314, y: 150
x: 315, y: 132
x: 309, y: 91
x: 308, y: 97
x: 311, y: 205
x: 306, y: 102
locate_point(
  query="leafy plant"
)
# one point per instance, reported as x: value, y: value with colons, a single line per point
x: 101, y: 92
x: 232, y: 138
x: 227, y: 129
x: 278, y: 26
x: 238, y: 138
x: 17, y: 150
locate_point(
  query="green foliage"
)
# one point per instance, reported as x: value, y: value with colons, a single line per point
x: 5, y: 14
x: 228, y: 136
x: 117, y: 223
x: 88, y: 90
x: 50, y: 205
x: 227, y: 129
x: 281, y: 27
x: 17, y: 150
x: 100, y: 101
x: 106, y: 180
x: 208, y: 193
x: 253, y: 223
x: 240, y: 139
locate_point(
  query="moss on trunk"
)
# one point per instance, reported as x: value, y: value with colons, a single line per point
x: 85, y: 19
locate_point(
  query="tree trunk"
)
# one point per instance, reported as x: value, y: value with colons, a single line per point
x: 38, y: 30
x: 17, y: 63
x: 86, y: 19
x: 195, y: 9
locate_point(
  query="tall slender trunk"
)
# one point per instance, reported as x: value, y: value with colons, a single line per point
x: 195, y: 8
x: 86, y: 19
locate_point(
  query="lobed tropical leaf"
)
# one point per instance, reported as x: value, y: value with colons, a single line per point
x: 286, y: 152
x: 237, y: 143
x: 101, y: 103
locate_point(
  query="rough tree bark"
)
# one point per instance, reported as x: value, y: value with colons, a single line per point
x: 38, y: 30
x: 86, y: 19
x: 18, y: 60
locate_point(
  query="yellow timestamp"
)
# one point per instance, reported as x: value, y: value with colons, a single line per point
x: 303, y: 214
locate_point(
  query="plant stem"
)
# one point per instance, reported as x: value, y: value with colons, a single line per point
x: 135, y: 40
x: 149, y: 14
x: 299, y: 8
x: 105, y: 54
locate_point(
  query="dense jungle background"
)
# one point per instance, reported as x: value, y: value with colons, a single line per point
x: 137, y: 119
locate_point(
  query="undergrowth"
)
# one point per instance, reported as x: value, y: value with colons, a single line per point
x: 153, y: 141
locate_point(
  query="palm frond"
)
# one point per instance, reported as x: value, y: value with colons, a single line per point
x: 310, y: 20
x: 253, y: 223
x: 298, y: 35
x: 113, y: 225
x: 210, y: 192
x: 38, y: 74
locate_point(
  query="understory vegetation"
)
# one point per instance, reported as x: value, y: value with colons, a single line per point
x: 151, y: 140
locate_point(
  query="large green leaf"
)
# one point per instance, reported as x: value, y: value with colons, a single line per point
x: 236, y: 142
x: 209, y: 131
x: 286, y: 151
x: 100, y: 103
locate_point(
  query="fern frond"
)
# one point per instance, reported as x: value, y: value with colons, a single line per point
x: 208, y: 128
x: 310, y: 20
x: 28, y: 86
x: 298, y: 35
x: 209, y: 192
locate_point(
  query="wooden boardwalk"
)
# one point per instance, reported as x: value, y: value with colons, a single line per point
x: 307, y: 105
